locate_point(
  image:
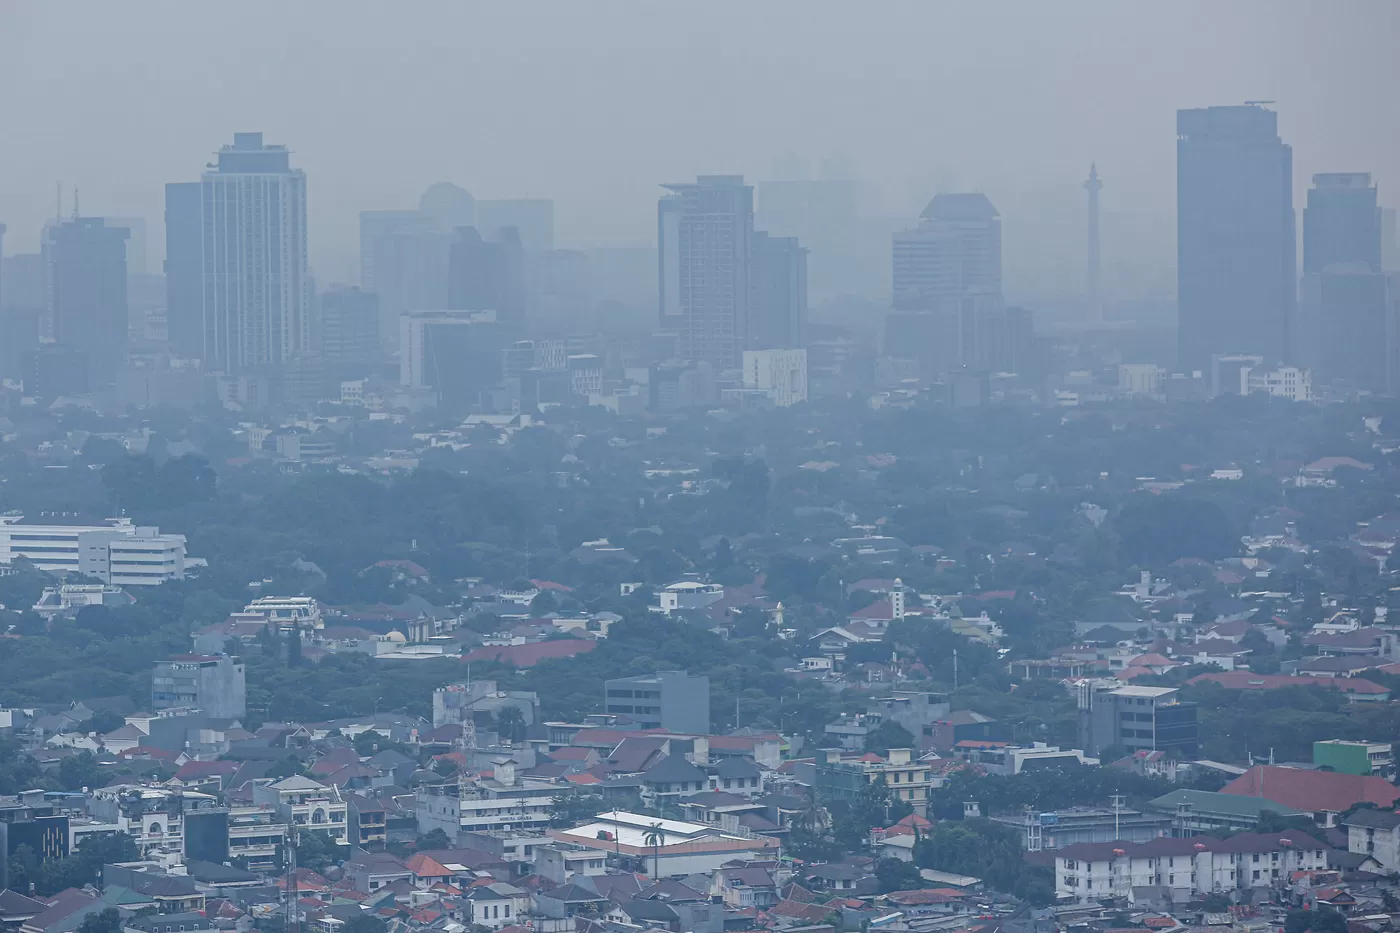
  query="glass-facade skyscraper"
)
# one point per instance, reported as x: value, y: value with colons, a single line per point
x: 1236, y: 246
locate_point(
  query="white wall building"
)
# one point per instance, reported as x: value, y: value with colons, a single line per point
x: 1089, y: 871
x: 1288, y: 382
x: 257, y: 290
x: 675, y: 847
x: 306, y: 804
x: 415, y: 344
x: 1141, y: 378
x: 117, y: 552
x: 780, y: 373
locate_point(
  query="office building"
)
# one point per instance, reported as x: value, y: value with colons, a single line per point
x: 949, y: 269
x: 457, y: 354
x: 1345, y: 322
x: 1236, y: 246
x: 1364, y: 758
x: 136, y: 254
x: 117, y: 552
x: 213, y: 684
x: 88, y: 296
x: 670, y: 700
x: 705, y: 231
x: 533, y: 218
x: 822, y: 213
x: 349, y: 326
x: 404, y: 260
x: 53, y: 371
x: 782, y: 374
x: 184, y: 269
x: 257, y: 292
x: 1135, y: 719
x: 1341, y: 223
x: 778, y: 302
x: 488, y: 274
x: 19, y: 337
x: 31, y: 820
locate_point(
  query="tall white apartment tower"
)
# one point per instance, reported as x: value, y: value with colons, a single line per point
x: 257, y: 292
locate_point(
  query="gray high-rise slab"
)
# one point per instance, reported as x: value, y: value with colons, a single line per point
x: 670, y: 700
x: 704, y: 233
x: 88, y: 294
x: 1236, y: 281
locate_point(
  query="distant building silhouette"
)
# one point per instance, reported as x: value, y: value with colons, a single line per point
x: 487, y: 274
x: 88, y: 294
x: 1092, y: 283
x: 533, y: 219
x: 705, y: 232
x: 778, y: 293
x: 1342, y: 222
x: 257, y: 291
x: 1345, y: 321
x: 349, y: 327
x: 184, y: 268
x: 947, y: 285
x: 403, y: 260
x: 1235, y: 235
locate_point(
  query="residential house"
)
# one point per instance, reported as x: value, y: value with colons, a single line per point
x: 1375, y: 833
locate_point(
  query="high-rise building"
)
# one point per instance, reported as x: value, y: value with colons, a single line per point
x: 822, y: 213
x: 704, y: 232
x: 1235, y: 235
x: 136, y: 256
x: 488, y: 274
x: 184, y: 269
x: 457, y: 354
x: 778, y: 293
x: 1092, y: 284
x: 1342, y: 222
x: 1345, y: 327
x: 88, y: 296
x: 349, y: 326
x: 949, y: 268
x: 257, y: 291
x: 780, y: 373
x: 533, y: 218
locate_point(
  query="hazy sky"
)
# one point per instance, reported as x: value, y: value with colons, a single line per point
x: 595, y: 102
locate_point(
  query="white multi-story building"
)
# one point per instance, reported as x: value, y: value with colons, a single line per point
x: 1288, y: 382
x: 256, y: 289
x: 1141, y: 378
x: 780, y: 373
x: 305, y: 804
x: 71, y: 596
x: 1090, y: 871
x: 283, y: 612
x: 116, y: 552
x: 257, y: 835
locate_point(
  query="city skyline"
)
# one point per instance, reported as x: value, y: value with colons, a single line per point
x: 903, y: 162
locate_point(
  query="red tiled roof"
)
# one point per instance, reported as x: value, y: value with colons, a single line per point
x: 1312, y: 791
x: 530, y: 655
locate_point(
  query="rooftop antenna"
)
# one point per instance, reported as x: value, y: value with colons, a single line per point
x: 1117, y: 811
x: 75, y: 202
x: 57, y: 201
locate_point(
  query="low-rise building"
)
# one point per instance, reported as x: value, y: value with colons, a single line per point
x: 116, y: 552
x: 216, y: 685
x: 306, y: 804
x: 668, y: 847
x: 1375, y: 833
x: 846, y: 778
x: 1190, y: 867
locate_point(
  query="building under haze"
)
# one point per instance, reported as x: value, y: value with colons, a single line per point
x: 705, y: 231
x: 778, y: 293
x: 184, y: 268
x: 1235, y: 235
x: 533, y: 219
x: 256, y: 287
x: 456, y: 354
x: 349, y: 322
x: 488, y: 274
x: 946, y: 283
x: 88, y: 294
x: 1345, y: 321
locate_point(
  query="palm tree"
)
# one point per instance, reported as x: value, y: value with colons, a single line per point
x: 654, y: 838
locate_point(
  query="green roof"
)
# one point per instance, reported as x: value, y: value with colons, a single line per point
x: 1209, y: 803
